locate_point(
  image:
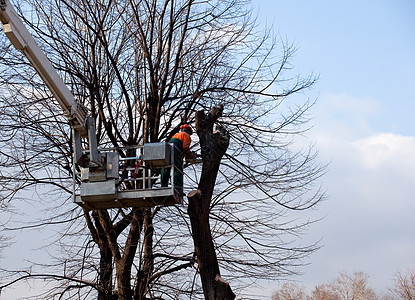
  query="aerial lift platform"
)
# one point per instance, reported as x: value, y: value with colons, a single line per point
x: 128, y: 181
x: 104, y: 179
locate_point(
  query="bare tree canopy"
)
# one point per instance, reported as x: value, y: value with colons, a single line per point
x: 348, y: 286
x: 143, y: 68
x: 290, y: 291
x: 404, y: 285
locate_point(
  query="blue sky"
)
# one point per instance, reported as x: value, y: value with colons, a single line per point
x: 364, y: 53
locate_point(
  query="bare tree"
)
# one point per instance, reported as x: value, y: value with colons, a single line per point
x: 345, y: 287
x: 324, y: 292
x: 404, y: 285
x: 143, y: 68
x: 290, y: 291
x: 354, y: 286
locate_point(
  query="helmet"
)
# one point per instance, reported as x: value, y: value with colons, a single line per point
x: 186, y: 128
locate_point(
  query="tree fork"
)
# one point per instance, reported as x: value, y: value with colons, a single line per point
x: 214, y: 145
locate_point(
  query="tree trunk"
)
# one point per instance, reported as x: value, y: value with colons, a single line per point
x: 214, y: 145
x: 123, y: 280
x: 125, y: 261
x: 105, y: 273
x: 144, y: 274
x: 105, y: 287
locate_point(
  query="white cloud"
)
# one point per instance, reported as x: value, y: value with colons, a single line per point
x: 386, y: 150
x: 370, y: 184
x: 368, y: 228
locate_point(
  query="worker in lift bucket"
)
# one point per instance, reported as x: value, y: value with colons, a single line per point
x: 181, y: 142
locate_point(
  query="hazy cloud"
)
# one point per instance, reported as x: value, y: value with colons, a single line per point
x: 387, y: 150
x: 370, y: 181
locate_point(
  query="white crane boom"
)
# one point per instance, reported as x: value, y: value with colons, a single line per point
x: 22, y: 40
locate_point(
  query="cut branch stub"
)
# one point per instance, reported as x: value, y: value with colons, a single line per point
x: 205, y: 122
x: 214, y: 144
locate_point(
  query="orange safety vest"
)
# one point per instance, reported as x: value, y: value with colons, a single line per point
x: 184, y: 138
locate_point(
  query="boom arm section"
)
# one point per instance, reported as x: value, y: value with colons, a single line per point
x: 22, y: 40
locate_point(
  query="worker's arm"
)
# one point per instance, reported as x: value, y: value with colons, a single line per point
x: 186, y: 146
x: 188, y: 154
